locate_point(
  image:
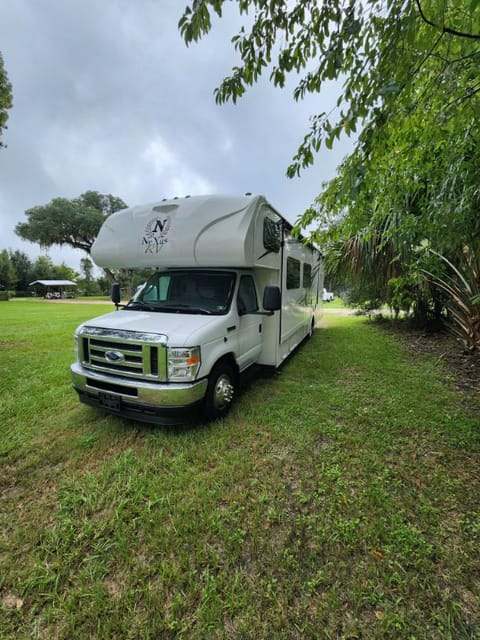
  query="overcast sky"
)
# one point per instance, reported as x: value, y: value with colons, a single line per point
x: 107, y: 97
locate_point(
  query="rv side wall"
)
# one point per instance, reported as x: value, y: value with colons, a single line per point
x: 299, y: 295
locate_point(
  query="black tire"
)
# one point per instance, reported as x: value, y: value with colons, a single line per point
x: 221, y: 391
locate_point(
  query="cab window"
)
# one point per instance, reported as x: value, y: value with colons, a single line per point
x: 247, y: 296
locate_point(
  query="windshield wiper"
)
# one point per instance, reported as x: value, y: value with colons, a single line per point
x: 189, y: 309
x: 134, y: 304
x: 185, y: 308
x: 165, y: 306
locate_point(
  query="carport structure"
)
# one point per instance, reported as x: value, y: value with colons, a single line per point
x: 53, y: 289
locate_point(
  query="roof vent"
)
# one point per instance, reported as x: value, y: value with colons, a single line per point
x: 165, y: 208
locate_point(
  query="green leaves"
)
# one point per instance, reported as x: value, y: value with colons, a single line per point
x: 195, y: 21
x: 5, y: 98
x: 8, y: 275
x: 381, y: 50
x: 72, y: 222
x: 461, y: 284
x: 413, y: 179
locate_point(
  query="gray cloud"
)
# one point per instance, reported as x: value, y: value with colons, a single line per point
x: 107, y: 97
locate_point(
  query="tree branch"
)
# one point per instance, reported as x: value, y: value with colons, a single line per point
x: 461, y: 34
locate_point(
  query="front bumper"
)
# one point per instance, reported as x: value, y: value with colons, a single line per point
x: 141, y: 400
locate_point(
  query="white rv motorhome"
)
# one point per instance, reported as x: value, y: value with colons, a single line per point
x: 230, y: 288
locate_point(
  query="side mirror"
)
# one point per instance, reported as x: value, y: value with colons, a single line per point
x: 116, y: 293
x: 272, y: 298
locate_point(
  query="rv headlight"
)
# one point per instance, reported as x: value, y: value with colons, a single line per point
x: 183, y: 363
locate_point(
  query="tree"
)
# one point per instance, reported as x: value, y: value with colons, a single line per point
x: 8, y: 277
x: 375, y: 50
x: 407, y: 195
x: 69, y: 222
x: 43, y: 269
x: 63, y: 272
x: 23, y: 268
x: 86, y: 266
x: 88, y: 283
x: 5, y: 98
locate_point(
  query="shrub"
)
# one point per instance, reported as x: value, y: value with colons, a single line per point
x: 461, y: 284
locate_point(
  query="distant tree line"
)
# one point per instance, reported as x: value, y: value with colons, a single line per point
x: 17, y: 271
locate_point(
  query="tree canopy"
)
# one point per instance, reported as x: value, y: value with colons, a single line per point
x: 23, y: 268
x: 6, y: 100
x: 402, y: 217
x: 73, y: 222
x: 376, y: 50
x: 8, y: 276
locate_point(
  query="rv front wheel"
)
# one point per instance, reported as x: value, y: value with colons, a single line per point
x: 220, y: 391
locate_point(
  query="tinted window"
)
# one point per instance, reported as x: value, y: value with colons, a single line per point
x: 272, y: 235
x: 247, y: 295
x: 293, y: 273
x: 307, y: 276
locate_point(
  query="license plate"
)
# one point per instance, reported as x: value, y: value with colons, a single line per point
x: 109, y: 401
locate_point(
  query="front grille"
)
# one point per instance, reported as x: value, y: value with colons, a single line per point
x: 126, y: 353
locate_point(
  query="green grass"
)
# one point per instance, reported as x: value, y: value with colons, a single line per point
x: 339, y: 500
x: 336, y: 303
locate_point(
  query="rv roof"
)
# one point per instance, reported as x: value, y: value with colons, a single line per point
x: 201, y: 231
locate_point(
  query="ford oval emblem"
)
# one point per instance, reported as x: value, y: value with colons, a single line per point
x: 114, y: 356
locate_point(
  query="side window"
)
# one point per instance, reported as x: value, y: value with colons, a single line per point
x: 293, y: 273
x: 272, y: 235
x: 307, y: 275
x: 247, y: 296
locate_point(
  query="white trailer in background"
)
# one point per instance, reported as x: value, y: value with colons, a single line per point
x: 230, y: 288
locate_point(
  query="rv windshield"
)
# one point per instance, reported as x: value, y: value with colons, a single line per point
x: 204, y: 292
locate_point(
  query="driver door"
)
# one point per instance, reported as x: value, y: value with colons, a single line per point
x: 250, y: 336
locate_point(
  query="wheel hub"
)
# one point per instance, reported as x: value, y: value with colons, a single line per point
x: 224, y: 391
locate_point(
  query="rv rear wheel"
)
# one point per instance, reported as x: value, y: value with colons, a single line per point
x: 220, y: 391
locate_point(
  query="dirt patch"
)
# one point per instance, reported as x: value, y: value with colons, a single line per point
x: 463, y: 367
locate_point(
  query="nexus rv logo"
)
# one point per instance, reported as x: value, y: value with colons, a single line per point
x: 155, y: 234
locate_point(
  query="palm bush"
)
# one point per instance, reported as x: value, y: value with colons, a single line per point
x: 461, y: 285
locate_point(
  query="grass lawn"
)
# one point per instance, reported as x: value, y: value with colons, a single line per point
x: 336, y: 303
x: 339, y: 499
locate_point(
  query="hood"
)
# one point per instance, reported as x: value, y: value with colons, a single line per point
x: 180, y: 329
